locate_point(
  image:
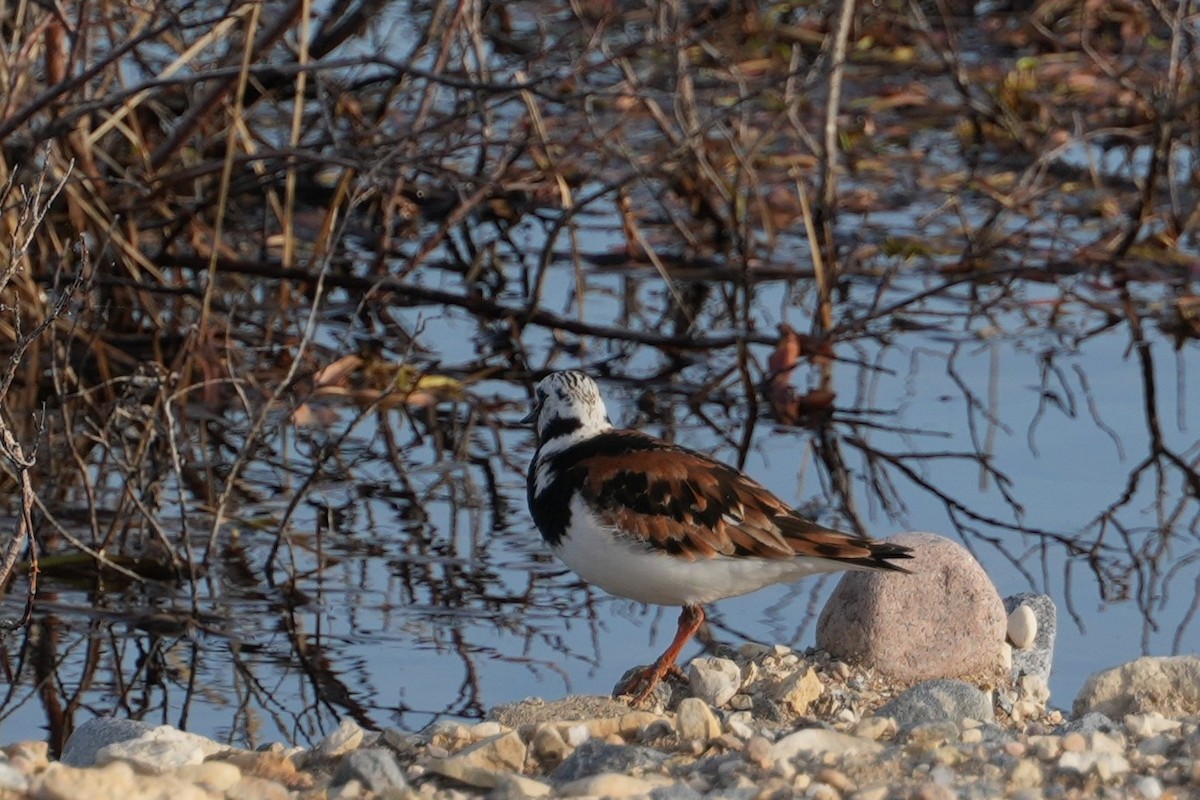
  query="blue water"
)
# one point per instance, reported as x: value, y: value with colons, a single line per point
x: 435, y: 597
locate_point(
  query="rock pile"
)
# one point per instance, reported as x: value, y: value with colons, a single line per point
x: 861, y: 736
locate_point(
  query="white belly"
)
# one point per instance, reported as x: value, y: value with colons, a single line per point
x: 626, y: 568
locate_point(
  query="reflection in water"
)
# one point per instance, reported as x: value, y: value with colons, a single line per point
x: 408, y: 582
x: 303, y: 468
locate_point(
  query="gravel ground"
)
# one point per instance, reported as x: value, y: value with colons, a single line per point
x: 760, y: 722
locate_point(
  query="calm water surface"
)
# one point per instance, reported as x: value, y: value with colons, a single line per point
x: 435, y: 597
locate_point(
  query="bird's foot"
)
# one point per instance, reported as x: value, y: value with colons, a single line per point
x: 639, y: 684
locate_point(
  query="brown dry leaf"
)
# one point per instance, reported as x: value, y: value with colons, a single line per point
x: 911, y: 96
x: 755, y: 67
x: 785, y: 405
x: 818, y: 401
x: 786, y: 354
x: 337, y: 373
x: 375, y: 382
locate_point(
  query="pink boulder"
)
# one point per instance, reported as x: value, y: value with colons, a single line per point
x: 946, y: 620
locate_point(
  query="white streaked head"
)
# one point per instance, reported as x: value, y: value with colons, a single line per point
x: 567, y: 409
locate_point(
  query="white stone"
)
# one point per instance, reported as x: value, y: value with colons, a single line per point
x: 714, y: 680
x: 1103, y: 743
x: 504, y: 752
x: 486, y: 729
x: 549, y: 746
x: 695, y: 720
x: 740, y: 729
x: 470, y: 774
x: 12, y: 779
x: 612, y: 784
x: 1144, y: 726
x: 1110, y: 765
x: 578, y: 734
x: 1169, y: 685
x: 821, y: 791
x: 1105, y: 765
x: 160, y: 750
x: 1026, y: 774
x: 873, y: 793
x: 1022, y: 627
x: 520, y: 786
x: 876, y: 727
x: 217, y: 776
x: 348, y: 736
x: 817, y: 740
x: 1149, y: 787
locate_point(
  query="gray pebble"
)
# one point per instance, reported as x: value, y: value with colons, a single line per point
x: 80, y: 750
x: 676, y: 791
x: 594, y: 757
x: 375, y: 768
x: 939, y: 700
x: 1091, y: 722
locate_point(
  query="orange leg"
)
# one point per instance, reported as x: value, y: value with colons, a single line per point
x: 642, y: 682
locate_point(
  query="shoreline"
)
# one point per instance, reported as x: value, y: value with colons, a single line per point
x: 795, y: 724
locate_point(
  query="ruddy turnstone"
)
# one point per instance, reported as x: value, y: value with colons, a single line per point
x: 648, y: 520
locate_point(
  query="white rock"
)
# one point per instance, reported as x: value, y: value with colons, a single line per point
x: 714, y: 680
x: 612, y: 784
x: 1169, y: 685
x: 216, y: 776
x: 695, y: 720
x: 12, y: 779
x: 876, y: 727
x: 152, y: 757
x: 1149, y: 787
x: 1022, y: 627
x: 486, y: 729
x: 88, y: 738
x: 1026, y: 774
x: 740, y: 729
x: 1103, y: 743
x: 520, y: 786
x: 1105, y: 765
x: 1144, y: 726
x: 818, y: 740
x: 1034, y: 688
x: 348, y: 736
x: 160, y: 750
x: 874, y: 793
x: 578, y: 734
x: 549, y: 746
x: 470, y: 774
x: 1110, y: 765
x: 504, y: 752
